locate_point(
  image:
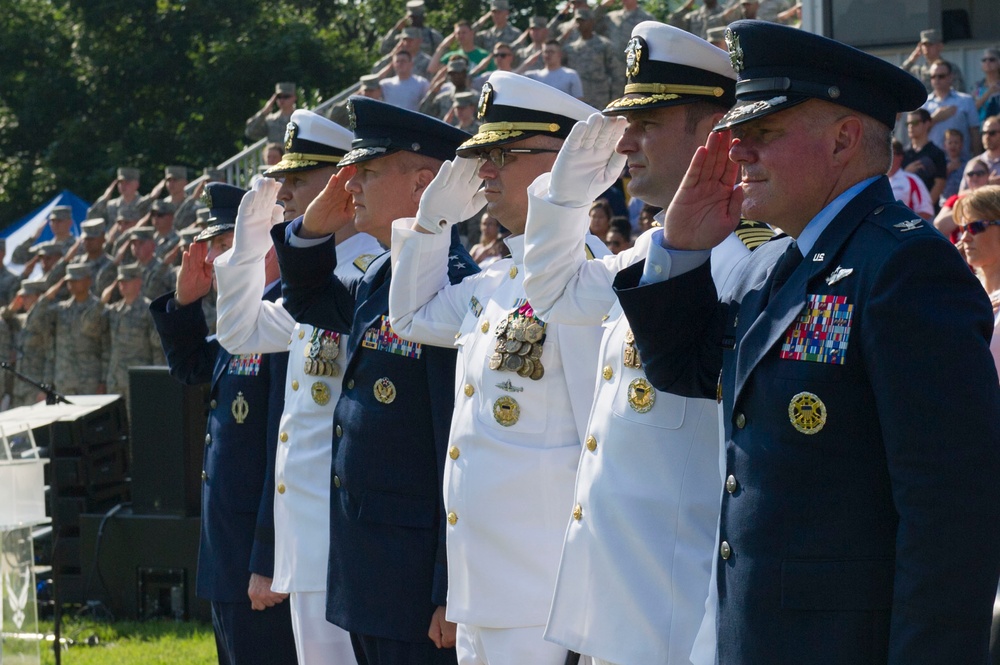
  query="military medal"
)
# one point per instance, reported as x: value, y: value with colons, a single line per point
x: 323, y: 349
x: 506, y: 411
x: 807, y: 413
x: 630, y: 356
x: 385, y: 391
x: 519, y: 343
x: 240, y: 408
x: 320, y: 393
x: 641, y: 395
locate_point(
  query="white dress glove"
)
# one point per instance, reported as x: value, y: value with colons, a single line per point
x: 587, y: 163
x: 452, y: 196
x: 258, y: 212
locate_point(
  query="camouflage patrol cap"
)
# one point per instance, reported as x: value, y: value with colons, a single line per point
x: 466, y: 99
x: 61, y: 212
x: 126, y: 215
x: 163, y: 207
x: 370, y: 82
x: 33, y: 287
x: 77, y: 271
x: 49, y: 248
x: 410, y: 33
x: 189, y: 234
x: 130, y: 271
x: 201, y: 217
x: 142, y: 233
x: 284, y: 88
x: 538, y: 22
x: 175, y: 172
x: 93, y: 228
x: 128, y: 173
x: 215, y: 175
x: 415, y: 7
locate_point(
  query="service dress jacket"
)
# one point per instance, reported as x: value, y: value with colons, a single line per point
x: 508, y: 479
x: 387, y: 570
x: 635, y: 568
x: 858, y: 522
x: 237, y: 504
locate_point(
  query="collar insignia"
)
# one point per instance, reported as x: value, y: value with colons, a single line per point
x: 485, y: 100
x: 735, y: 52
x: 909, y: 225
x: 290, y: 130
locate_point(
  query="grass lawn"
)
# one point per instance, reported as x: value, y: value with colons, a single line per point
x: 133, y: 643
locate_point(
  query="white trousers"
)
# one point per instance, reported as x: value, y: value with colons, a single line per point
x: 506, y: 646
x: 317, y: 641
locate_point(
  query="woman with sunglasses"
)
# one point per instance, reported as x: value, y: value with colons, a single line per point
x: 976, y: 174
x: 986, y: 93
x: 978, y: 218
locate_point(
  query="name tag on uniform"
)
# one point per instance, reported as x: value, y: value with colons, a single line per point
x: 821, y: 332
x: 246, y: 364
x: 382, y: 338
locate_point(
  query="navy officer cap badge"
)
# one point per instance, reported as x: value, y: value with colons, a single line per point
x: 311, y: 142
x: 514, y: 107
x: 225, y: 203
x: 381, y: 129
x: 779, y: 67
x: 667, y: 66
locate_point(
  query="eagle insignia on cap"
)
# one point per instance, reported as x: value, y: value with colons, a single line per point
x: 290, y: 131
x: 206, y: 198
x: 633, y: 55
x: 485, y: 99
x: 735, y: 52
x: 351, y: 118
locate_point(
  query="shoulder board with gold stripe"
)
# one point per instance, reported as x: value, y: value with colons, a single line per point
x: 588, y: 252
x: 363, y: 261
x: 753, y: 234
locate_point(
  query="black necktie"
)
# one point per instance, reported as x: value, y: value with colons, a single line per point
x: 784, y: 268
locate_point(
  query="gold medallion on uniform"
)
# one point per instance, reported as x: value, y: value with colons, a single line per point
x: 807, y: 413
x: 519, y: 343
x: 506, y: 411
x: 385, y: 390
x: 630, y: 356
x: 320, y: 393
x: 641, y: 395
x: 240, y: 408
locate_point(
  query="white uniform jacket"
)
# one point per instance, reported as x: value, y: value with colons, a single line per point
x: 514, y: 442
x: 636, y: 565
x: 302, y: 465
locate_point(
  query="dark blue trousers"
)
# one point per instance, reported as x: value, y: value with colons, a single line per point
x: 247, y: 637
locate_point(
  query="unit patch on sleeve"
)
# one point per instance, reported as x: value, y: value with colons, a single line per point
x: 821, y: 332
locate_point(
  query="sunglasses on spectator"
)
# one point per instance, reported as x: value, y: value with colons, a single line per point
x: 499, y: 155
x: 940, y: 76
x: 501, y: 55
x: 978, y: 173
x: 978, y: 226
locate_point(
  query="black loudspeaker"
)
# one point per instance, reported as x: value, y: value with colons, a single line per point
x: 168, y: 439
x: 142, y: 566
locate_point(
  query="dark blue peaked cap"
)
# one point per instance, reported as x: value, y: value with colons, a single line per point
x: 381, y: 129
x: 778, y: 67
x: 224, y: 201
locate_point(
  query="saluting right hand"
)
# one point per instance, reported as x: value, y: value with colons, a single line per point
x: 333, y: 209
x: 194, y: 280
x: 706, y: 207
x: 587, y: 164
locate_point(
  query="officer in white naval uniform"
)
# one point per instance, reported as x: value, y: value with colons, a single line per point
x: 522, y: 393
x: 637, y: 559
x: 249, y: 325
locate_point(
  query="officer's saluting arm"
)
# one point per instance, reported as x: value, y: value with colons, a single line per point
x: 183, y: 333
x: 312, y: 293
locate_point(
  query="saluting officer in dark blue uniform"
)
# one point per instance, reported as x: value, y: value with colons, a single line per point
x: 236, y: 554
x: 859, y: 517
x: 387, y: 578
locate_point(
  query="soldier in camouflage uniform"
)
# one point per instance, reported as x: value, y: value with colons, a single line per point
x: 9, y: 282
x: 134, y: 340
x: 128, y: 201
x: 465, y: 112
x: 271, y: 125
x: 593, y: 58
x: 61, y: 223
x: 617, y: 26
x: 183, y: 206
x: 699, y: 21
x: 409, y: 40
x: 429, y: 37
x: 538, y: 31
x: 163, y: 222
x: 501, y: 30
x: 79, y: 337
x: 26, y: 319
x: 440, y: 103
x: 157, y: 278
